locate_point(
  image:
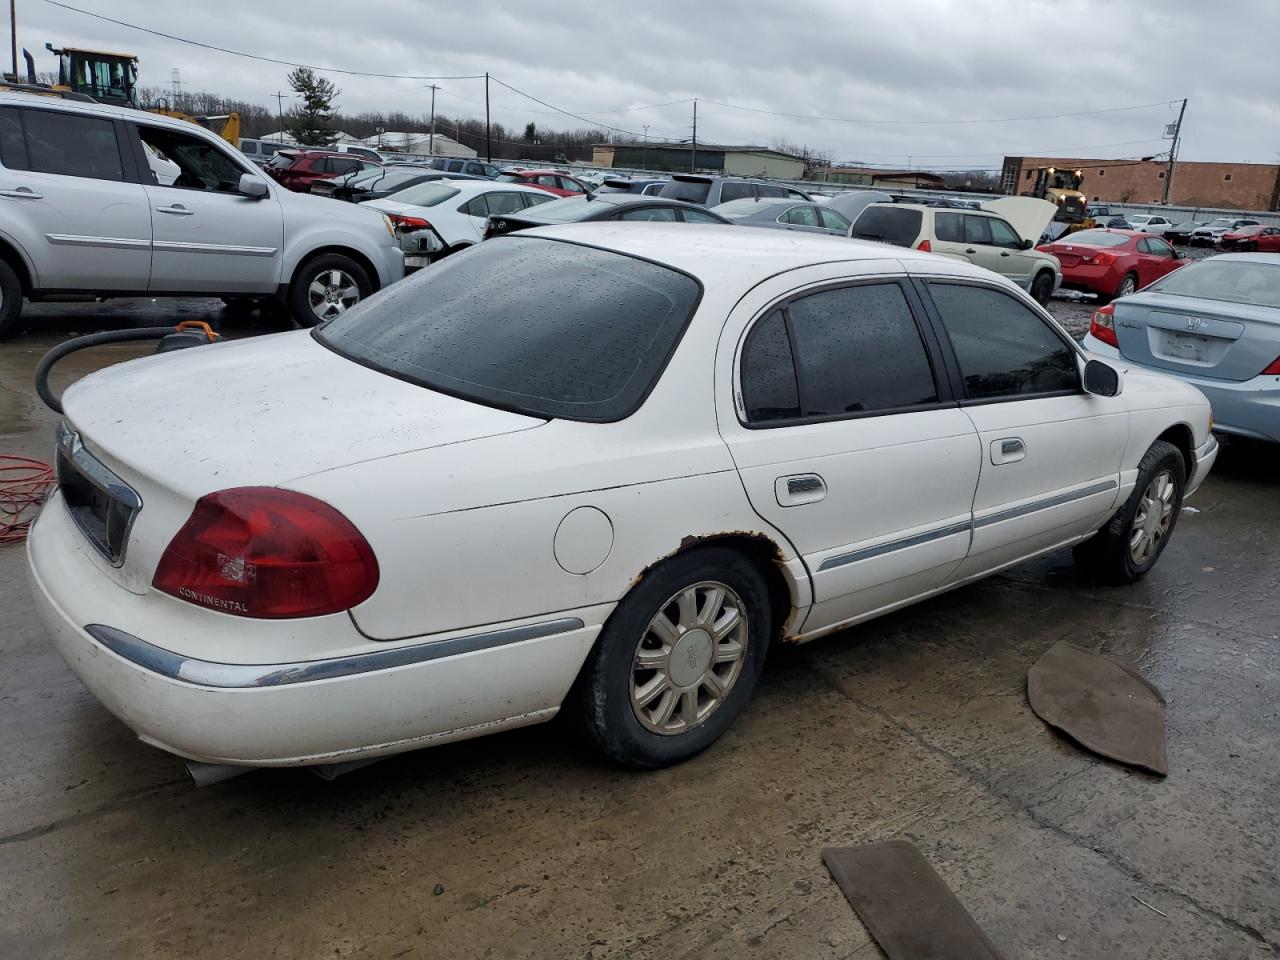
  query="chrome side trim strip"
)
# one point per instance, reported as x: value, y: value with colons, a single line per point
x: 174, y: 246
x: 205, y: 673
x: 115, y: 243
x: 1045, y: 504
x: 867, y: 553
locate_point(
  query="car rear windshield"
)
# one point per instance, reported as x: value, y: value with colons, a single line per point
x: 282, y: 159
x: 691, y: 191
x: 1096, y: 238
x: 572, y: 331
x: 615, y: 186
x: 570, y: 209
x: 424, y: 194
x: 1235, y: 281
x: 897, y: 225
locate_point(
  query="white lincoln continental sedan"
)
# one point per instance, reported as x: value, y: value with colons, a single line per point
x: 598, y: 467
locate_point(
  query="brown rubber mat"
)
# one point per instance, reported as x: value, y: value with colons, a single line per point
x: 1102, y: 704
x: 911, y: 913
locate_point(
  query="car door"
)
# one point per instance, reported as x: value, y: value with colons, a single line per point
x: 209, y: 237
x: 977, y: 242
x: 1160, y: 256
x: 948, y: 236
x: 1011, y: 260
x: 1050, y: 453
x: 802, y: 218
x: 846, y: 439
x: 69, y: 197
x: 1269, y: 239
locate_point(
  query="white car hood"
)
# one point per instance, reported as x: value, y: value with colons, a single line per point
x: 1028, y: 215
x: 262, y: 411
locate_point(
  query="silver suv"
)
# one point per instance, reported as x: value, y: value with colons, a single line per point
x: 83, y: 211
x: 711, y: 191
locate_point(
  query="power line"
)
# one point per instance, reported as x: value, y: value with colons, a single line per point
x: 254, y: 56
x: 1047, y: 116
x: 567, y: 113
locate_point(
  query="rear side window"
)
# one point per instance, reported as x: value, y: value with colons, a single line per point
x: 72, y: 145
x: 571, y: 332
x: 833, y: 221
x: 697, y: 216
x: 1003, y: 347
x: 690, y: 191
x: 837, y: 353
x: 13, y: 148
x: 504, y: 202
x: 896, y: 225
x: 771, y: 190
x: 730, y: 190
x: 801, y: 216
x: 948, y: 227
x: 665, y: 214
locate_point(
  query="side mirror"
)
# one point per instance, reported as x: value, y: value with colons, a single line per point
x: 251, y: 186
x: 1027, y: 244
x: 1177, y: 254
x: 1102, y: 379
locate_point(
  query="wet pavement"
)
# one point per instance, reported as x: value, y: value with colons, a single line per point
x: 526, y: 845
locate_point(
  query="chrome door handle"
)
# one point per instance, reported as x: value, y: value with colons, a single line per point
x: 22, y: 193
x: 800, y: 489
x: 1007, y: 450
x: 177, y: 210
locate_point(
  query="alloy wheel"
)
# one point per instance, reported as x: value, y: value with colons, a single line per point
x: 1153, y: 518
x: 1127, y: 286
x: 331, y: 293
x: 689, y: 657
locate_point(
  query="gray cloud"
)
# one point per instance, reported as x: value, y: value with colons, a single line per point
x: 906, y: 59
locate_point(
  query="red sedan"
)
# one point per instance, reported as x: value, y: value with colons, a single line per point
x: 1112, y: 263
x: 1256, y: 237
x: 561, y: 184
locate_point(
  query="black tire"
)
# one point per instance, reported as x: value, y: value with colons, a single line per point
x: 604, y: 691
x: 1120, y: 290
x: 1042, y: 287
x: 317, y: 269
x: 10, y: 301
x: 1107, y: 553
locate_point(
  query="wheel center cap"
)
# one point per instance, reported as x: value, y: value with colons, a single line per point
x: 690, y: 658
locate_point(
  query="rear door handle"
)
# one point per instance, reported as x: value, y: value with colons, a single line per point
x: 971, y: 250
x: 1005, y: 253
x: 178, y: 210
x: 22, y: 193
x: 799, y: 489
x: 1007, y: 450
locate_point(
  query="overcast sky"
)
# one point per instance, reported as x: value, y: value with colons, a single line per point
x: 881, y: 60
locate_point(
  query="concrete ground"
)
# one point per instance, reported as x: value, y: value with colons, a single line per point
x: 527, y: 845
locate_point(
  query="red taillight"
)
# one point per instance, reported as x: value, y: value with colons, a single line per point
x: 268, y: 553
x: 1103, y: 325
x: 925, y: 245
x: 408, y: 223
x: 1273, y: 370
x: 1101, y: 259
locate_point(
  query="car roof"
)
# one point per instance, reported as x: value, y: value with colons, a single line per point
x: 543, y: 172
x: 15, y: 98
x: 715, y: 252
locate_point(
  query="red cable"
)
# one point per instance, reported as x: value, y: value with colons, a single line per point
x: 24, y: 485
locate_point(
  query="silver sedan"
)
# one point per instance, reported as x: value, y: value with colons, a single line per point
x: 784, y: 213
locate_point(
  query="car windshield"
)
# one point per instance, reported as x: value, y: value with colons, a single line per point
x: 1249, y: 231
x: 745, y: 206
x: 569, y: 209
x: 896, y: 225
x: 1096, y: 238
x: 572, y: 331
x: 691, y: 191
x: 424, y: 194
x: 1218, y: 278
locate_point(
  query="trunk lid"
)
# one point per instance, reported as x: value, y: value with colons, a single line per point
x: 256, y: 412
x: 1198, y: 337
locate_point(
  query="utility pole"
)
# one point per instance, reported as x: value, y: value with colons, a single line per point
x: 280, y: 113
x: 693, y: 154
x: 488, y: 141
x: 644, y: 161
x: 177, y: 86
x: 13, y: 34
x: 1173, y: 152
x: 431, y: 143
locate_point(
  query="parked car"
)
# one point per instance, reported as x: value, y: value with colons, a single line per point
x: 606, y: 485
x: 1150, y: 223
x: 559, y: 184
x: 711, y: 191
x: 261, y: 151
x: 784, y: 214
x: 1214, y: 324
x: 84, y: 214
x: 434, y: 220
x: 1214, y: 230
x: 1256, y: 238
x: 365, y: 153
x: 297, y: 169
x: 851, y: 203
x: 377, y: 184
x: 984, y: 237
x: 473, y: 168
x: 639, y: 185
x: 1112, y: 263
x: 1100, y: 213
x: 593, y: 208
x: 1181, y: 232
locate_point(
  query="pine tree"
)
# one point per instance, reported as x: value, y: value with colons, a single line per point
x: 310, y: 125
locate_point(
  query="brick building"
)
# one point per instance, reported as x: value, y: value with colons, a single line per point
x: 1233, y: 186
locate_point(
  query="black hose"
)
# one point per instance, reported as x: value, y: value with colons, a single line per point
x: 81, y: 343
